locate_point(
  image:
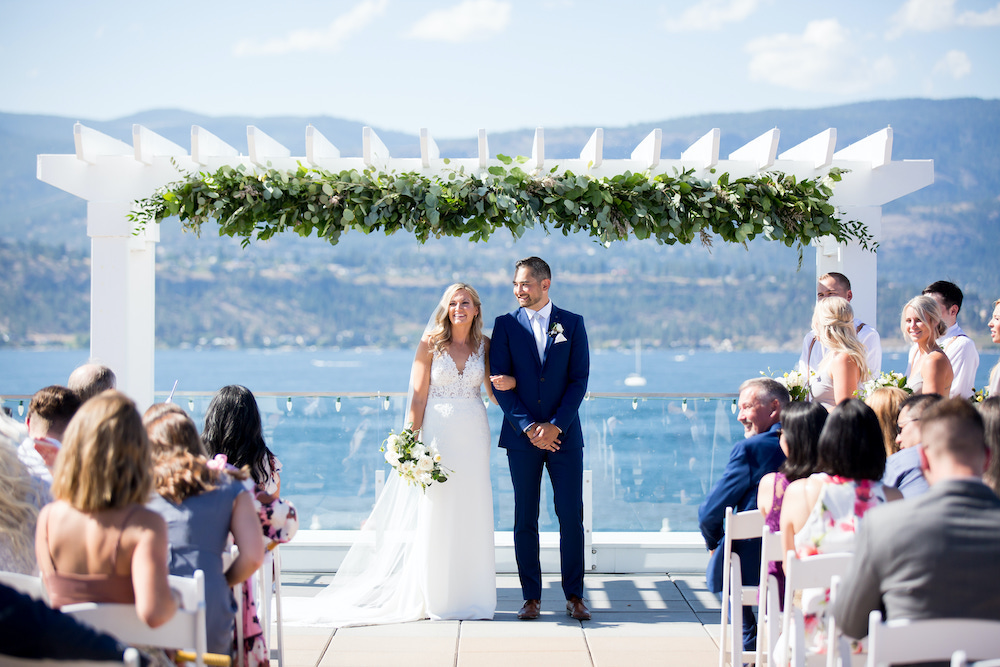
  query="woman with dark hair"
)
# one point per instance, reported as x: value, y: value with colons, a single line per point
x: 202, y: 505
x: 990, y: 411
x: 801, y: 424
x: 821, y: 513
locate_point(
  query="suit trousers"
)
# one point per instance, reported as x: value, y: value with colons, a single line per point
x: 565, y: 468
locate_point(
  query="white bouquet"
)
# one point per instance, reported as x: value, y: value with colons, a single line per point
x: 795, y: 382
x: 893, y: 379
x: 413, y: 460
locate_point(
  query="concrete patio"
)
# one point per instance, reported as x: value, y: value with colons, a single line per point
x: 643, y: 619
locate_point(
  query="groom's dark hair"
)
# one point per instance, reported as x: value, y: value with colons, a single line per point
x: 538, y: 267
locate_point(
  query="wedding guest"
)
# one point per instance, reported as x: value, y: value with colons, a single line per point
x: 993, y: 389
x: 49, y: 413
x: 97, y: 542
x: 959, y: 348
x: 233, y: 428
x: 989, y: 410
x: 91, y: 379
x: 21, y: 497
x: 837, y: 284
x: 851, y: 463
x: 929, y: 370
x: 902, y: 469
x: 843, y: 368
x: 801, y: 425
x: 761, y: 403
x: 886, y: 401
x: 202, y: 505
x: 934, y: 556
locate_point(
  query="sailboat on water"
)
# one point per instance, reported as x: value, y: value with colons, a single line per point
x: 636, y: 379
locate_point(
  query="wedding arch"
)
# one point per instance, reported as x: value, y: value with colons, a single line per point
x: 808, y: 194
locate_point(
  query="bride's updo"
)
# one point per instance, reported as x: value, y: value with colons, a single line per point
x: 440, y: 333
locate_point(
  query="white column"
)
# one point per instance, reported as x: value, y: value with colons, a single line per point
x: 859, y: 265
x: 122, y: 301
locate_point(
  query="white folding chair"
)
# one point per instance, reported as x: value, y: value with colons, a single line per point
x: 185, y: 630
x: 738, y: 526
x: 130, y: 659
x: 268, y: 587
x: 768, y: 608
x: 800, y: 574
x: 961, y: 659
x: 28, y: 584
x: 901, y: 641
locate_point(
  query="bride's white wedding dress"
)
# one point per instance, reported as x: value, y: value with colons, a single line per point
x: 424, y: 554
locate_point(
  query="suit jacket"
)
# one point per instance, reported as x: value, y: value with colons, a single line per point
x: 749, y: 460
x: 933, y: 556
x: 551, y: 392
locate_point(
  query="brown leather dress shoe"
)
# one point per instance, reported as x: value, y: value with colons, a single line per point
x: 530, y: 610
x: 577, y: 608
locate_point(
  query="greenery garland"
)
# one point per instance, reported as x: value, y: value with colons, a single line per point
x: 676, y: 208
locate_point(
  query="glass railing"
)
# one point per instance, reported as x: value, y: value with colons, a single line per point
x: 653, y: 456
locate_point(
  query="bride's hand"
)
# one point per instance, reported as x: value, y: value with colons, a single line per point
x: 503, y: 382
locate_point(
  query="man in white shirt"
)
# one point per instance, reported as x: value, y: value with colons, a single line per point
x: 961, y: 349
x: 49, y: 413
x: 837, y: 284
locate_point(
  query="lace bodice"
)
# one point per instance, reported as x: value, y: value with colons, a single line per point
x: 448, y: 382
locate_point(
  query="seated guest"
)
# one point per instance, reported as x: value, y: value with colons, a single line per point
x: 902, y: 469
x: 21, y: 497
x: 928, y: 370
x: 202, y: 506
x: 960, y: 349
x: 97, y: 542
x: 801, y: 424
x: 843, y: 368
x: 32, y: 629
x: 49, y: 413
x: 761, y: 402
x: 821, y: 513
x: 934, y: 556
x: 885, y: 402
x: 91, y: 379
x: 989, y: 410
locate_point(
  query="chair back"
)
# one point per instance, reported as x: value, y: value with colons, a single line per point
x: 902, y: 641
x: 185, y: 630
x: 30, y: 585
x: 768, y: 605
x: 744, y: 525
x: 129, y: 659
x: 800, y: 574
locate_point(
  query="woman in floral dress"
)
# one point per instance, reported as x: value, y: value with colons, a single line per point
x: 822, y: 512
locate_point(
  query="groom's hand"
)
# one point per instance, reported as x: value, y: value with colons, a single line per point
x: 545, y: 436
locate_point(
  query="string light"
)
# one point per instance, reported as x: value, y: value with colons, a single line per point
x: 385, y: 404
x: 336, y: 406
x: 288, y: 404
x: 684, y: 405
x: 635, y: 403
x: 734, y: 406
x: 20, y: 408
x: 190, y: 405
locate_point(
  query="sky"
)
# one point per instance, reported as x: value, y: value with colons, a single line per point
x: 454, y: 66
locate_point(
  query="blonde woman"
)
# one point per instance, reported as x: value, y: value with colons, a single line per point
x: 844, y: 366
x: 928, y: 371
x: 886, y: 402
x: 994, y: 385
x: 20, y: 500
x: 97, y: 542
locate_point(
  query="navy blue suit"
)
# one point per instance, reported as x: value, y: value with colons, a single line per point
x: 549, y: 392
x: 749, y: 460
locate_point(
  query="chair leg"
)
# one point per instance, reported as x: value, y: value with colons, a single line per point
x: 277, y: 607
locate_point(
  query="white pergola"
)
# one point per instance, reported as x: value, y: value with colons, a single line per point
x: 110, y: 174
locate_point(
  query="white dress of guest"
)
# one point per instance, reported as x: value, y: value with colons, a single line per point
x: 964, y: 358
x: 813, y: 353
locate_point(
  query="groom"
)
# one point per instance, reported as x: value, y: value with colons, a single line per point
x: 545, y: 349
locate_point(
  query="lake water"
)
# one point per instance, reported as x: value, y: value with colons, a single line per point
x: 652, y: 458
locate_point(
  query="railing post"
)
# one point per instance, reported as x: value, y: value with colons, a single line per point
x: 589, y: 553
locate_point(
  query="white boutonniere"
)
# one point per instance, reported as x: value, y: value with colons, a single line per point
x: 556, y: 331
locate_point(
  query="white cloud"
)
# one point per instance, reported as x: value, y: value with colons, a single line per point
x: 933, y: 15
x: 712, y: 15
x: 824, y: 58
x: 465, y: 22
x: 955, y: 64
x: 331, y: 38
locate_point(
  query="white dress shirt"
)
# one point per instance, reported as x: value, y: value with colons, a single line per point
x: 33, y: 461
x: 964, y: 358
x: 869, y: 338
x: 540, y: 326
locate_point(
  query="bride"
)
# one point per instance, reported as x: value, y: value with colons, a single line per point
x: 428, y: 554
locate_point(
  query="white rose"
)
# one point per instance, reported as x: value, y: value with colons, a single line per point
x: 392, y: 441
x: 418, y: 451
x: 425, y: 464
x: 391, y: 457
x: 425, y: 479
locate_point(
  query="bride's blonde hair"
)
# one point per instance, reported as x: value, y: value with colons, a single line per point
x: 440, y: 334
x: 833, y: 322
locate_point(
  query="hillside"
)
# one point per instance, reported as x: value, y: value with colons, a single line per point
x: 371, y: 290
